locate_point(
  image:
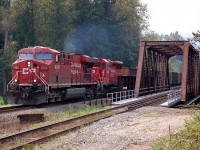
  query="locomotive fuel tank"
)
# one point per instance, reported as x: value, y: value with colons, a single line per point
x: 75, y: 93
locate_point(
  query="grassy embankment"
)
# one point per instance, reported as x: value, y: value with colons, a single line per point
x: 73, y: 112
x: 51, y: 117
x: 186, y: 139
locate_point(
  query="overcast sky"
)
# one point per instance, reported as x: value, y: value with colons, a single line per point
x: 174, y: 15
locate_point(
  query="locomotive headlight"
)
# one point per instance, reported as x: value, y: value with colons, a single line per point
x: 15, y: 80
x: 29, y: 63
x: 34, y: 80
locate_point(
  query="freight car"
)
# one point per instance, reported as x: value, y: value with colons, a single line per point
x: 129, y: 71
x: 127, y: 80
x: 44, y: 75
x: 175, y: 78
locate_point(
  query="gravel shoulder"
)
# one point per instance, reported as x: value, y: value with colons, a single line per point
x: 133, y: 130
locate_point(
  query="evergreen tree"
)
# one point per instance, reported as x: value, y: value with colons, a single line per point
x: 24, y: 33
x: 109, y: 29
x: 175, y: 62
x: 7, y: 50
x: 54, y: 22
x: 196, y: 39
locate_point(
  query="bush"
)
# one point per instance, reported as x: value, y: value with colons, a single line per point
x: 184, y: 139
x: 3, y: 100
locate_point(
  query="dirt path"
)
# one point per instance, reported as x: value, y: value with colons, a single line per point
x: 134, y: 130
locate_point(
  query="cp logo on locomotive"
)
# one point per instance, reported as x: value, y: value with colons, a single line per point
x: 27, y: 70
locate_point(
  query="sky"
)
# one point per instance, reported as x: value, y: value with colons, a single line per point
x: 168, y: 16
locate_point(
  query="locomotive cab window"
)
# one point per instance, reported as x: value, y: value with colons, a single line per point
x: 26, y: 56
x: 105, y: 66
x: 57, y: 57
x: 43, y: 56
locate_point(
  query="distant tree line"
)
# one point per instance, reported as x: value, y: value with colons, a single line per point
x: 175, y: 62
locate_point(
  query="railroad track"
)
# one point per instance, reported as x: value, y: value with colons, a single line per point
x: 37, y: 135
x: 24, y: 107
x: 194, y: 107
x: 14, y: 108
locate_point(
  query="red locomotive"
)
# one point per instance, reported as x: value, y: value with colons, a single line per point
x: 107, y: 71
x: 43, y: 75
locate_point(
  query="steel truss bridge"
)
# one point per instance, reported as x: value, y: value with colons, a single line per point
x: 153, y: 68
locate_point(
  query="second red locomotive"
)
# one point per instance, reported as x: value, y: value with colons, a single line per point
x: 42, y: 75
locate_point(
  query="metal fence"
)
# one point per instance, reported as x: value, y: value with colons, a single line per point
x: 122, y: 95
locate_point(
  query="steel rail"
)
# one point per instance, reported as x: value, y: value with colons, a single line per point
x: 14, y: 108
x: 36, y: 135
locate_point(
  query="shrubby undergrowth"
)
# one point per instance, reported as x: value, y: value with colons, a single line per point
x: 3, y: 100
x: 189, y: 138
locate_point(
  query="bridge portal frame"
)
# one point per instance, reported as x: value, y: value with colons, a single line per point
x: 153, y: 68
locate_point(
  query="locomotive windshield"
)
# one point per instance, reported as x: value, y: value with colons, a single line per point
x: 26, y: 56
x: 43, y: 56
x: 97, y: 65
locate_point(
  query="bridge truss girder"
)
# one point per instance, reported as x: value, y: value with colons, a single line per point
x: 153, y: 68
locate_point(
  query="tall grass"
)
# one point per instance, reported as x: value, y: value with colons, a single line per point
x: 186, y: 139
x: 71, y: 112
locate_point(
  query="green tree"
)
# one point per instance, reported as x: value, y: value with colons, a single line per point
x: 7, y: 52
x: 196, y: 36
x: 24, y: 32
x: 5, y: 13
x: 109, y: 29
x: 54, y: 21
x: 173, y: 36
x: 7, y: 56
x: 151, y: 36
x: 196, y: 39
x: 175, y: 62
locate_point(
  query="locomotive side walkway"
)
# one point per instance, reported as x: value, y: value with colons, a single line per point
x: 173, y: 98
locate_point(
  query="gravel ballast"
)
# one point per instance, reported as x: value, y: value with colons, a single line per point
x: 133, y: 130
